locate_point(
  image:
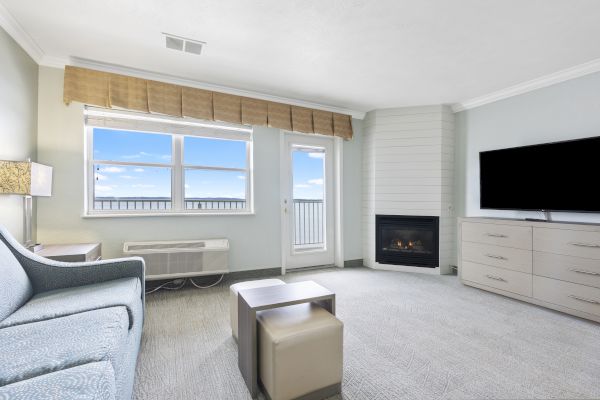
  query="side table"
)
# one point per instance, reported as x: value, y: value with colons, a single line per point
x: 76, y: 252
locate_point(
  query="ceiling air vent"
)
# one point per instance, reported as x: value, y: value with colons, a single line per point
x: 183, y: 44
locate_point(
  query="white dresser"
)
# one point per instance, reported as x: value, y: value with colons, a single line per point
x: 552, y: 264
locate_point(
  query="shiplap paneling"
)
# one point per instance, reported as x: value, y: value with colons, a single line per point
x: 408, y: 169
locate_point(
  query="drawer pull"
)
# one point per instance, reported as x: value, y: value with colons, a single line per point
x: 583, y: 271
x: 582, y: 244
x: 584, y: 299
x: 496, y: 257
x: 496, y: 278
x: 496, y: 235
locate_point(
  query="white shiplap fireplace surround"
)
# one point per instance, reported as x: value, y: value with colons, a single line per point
x: 408, y: 164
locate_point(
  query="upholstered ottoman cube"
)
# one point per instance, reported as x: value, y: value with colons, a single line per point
x: 233, y: 298
x: 300, y: 352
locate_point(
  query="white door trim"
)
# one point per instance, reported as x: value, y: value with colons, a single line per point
x: 337, y: 198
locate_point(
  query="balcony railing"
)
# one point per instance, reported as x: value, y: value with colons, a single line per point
x: 163, y: 203
x: 309, y: 222
x: 309, y: 215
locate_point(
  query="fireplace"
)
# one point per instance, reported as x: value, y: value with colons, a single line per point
x: 407, y: 240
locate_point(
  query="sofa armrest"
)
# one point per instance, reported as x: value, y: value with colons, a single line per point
x: 46, y: 274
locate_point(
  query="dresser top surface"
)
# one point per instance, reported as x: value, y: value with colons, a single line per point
x: 583, y: 226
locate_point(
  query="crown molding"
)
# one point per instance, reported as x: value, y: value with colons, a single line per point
x: 58, y: 62
x: 577, y: 71
x: 16, y: 31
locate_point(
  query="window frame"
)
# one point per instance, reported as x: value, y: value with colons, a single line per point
x: 177, y: 165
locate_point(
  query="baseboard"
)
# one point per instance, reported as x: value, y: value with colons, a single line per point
x: 253, y: 274
x: 354, y: 263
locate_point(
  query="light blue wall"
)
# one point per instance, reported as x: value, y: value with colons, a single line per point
x: 18, y: 121
x: 352, y: 193
x: 564, y: 111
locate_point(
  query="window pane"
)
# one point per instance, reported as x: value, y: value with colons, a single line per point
x: 308, y: 171
x: 118, y: 187
x: 214, y: 152
x: 214, y: 190
x: 115, y: 145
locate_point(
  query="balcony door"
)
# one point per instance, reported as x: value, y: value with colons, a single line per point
x: 307, y: 201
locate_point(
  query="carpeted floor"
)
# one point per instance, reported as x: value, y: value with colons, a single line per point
x: 406, y: 336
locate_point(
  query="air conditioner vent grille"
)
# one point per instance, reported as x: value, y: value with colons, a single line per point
x: 187, y: 258
x: 187, y: 45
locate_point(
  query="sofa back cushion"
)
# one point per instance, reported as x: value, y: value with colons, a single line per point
x: 15, y: 286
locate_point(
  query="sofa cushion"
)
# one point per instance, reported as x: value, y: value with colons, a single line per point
x: 62, y: 302
x: 38, y: 348
x: 93, y: 381
x: 15, y: 287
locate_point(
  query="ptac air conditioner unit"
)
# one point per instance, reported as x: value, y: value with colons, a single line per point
x: 181, y: 259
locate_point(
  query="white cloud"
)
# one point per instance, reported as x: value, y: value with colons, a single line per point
x: 301, y: 185
x: 143, y: 185
x: 316, y: 181
x: 102, y: 188
x: 100, y: 177
x: 112, y: 170
x: 242, y: 177
x: 131, y: 156
x: 316, y: 155
x: 166, y: 156
x: 138, y: 169
x: 128, y: 177
x: 187, y: 186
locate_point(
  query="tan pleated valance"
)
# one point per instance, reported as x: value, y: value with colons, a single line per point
x: 109, y: 90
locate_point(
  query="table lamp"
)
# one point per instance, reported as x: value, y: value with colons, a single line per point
x: 28, y: 179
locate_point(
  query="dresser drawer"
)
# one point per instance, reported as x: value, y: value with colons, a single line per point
x: 498, y: 256
x: 518, y: 237
x: 567, y: 268
x: 511, y: 281
x: 566, y: 294
x: 583, y: 244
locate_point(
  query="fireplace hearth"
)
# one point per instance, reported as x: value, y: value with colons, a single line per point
x: 407, y: 240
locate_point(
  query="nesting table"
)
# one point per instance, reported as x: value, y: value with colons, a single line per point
x: 252, y: 300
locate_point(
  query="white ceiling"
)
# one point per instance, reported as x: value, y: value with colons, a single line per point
x: 355, y: 54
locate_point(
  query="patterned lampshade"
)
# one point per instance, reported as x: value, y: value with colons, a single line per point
x: 26, y: 178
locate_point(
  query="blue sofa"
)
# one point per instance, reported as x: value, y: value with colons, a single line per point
x: 68, y: 330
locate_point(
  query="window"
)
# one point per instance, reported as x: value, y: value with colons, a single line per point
x: 151, y: 165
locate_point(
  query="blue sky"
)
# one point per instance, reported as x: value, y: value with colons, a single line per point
x: 308, y: 174
x: 132, y: 181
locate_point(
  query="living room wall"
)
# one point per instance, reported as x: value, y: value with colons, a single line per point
x: 255, y: 239
x: 564, y: 111
x: 18, y: 122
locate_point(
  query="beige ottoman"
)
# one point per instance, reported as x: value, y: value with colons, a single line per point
x: 233, y: 298
x: 300, y: 352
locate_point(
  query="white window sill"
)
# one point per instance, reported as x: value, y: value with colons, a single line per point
x: 170, y: 214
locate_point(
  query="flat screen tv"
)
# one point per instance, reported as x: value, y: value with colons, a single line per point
x: 561, y: 176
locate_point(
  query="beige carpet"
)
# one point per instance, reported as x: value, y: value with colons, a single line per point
x: 407, y: 336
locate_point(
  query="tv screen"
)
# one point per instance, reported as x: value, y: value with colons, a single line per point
x: 561, y: 176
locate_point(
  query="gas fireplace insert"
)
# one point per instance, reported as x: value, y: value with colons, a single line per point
x: 407, y: 240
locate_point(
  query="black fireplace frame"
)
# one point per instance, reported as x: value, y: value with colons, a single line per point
x: 416, y: 222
